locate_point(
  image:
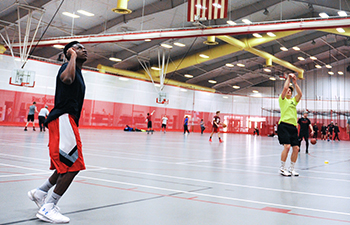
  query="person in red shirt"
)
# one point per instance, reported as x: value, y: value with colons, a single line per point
x: 215, y: 129
x: 149, y: 122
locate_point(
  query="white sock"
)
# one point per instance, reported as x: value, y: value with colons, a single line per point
x: 46, y: 186
x: 292, y: 164
x: 283, y: 164
x: 54, y: 198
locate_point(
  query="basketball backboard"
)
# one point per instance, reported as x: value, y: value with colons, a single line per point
x: 20, y: 77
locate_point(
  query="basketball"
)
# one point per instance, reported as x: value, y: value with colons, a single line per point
x: 313, y: 141
x: 224, y: 125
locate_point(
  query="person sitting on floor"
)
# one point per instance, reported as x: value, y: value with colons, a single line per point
x: 127, y: 128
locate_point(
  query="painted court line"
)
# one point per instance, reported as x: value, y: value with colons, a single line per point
x: 217, y: 196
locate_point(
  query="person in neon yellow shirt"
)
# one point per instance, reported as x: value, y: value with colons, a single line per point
x: 287, y: 126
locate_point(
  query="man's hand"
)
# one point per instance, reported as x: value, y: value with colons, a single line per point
x: 71, y: 53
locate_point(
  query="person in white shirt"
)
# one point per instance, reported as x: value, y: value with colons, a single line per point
x: 44, y: 112
x: 164, y: 122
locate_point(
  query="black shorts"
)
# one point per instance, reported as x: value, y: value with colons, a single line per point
x: 288, y: 134
x: 30, y: 118
x: 149, y: 124
x: 163, y: 125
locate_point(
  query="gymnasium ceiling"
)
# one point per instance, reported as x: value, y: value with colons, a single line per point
x: 328, y: 48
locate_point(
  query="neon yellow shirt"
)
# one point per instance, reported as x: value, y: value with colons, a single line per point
x: 288, y: 110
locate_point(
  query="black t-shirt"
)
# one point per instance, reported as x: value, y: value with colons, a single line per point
x: 304, y: 124
x: 336, y: 129
x: 68, y: 98
x: 330, y: 128
x: 315, y: 128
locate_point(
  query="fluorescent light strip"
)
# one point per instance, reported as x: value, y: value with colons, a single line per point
x: 229, y: 65
x: 203, y: 56
x: 59, y: 46
x: 246, y: 21
x: 236, y: 87
x: 240, y: 65
x: 85, y: 13
x: 318, y: 66
x: 272, y: 78
x: 267, y: 70
x: 301, y: 58
x: 296, y: 48
x: 340, y: 30
x: 230, y: 22
x: 115, y: 59
x: 212, y: 81
x: 328, y: 66
x: 342, y: 13
x: 330, y: 73
x: 257, y: 35
x: 166, y: 46
x: 179, y: 44
x: 323, y: 15
x: 70, y: 15
x: 313, y: 58
x: 340, y: 72
x: 255, y: 91
x: 188, y: 75
x: 155, y: 68
x: 271, y: 34
x: 284, y: 49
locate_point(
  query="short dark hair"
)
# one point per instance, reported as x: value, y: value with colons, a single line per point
x: 68, y: 46
x: 217, y: 112
x: 34, y: 103
x: 291, y: 88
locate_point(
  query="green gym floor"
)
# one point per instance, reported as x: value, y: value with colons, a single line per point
x: 139, y: 178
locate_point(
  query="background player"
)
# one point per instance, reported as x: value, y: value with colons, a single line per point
x: 287, y: 128
x: 305, y: 124
x: 186, y: 125
x: 164, y: 122
x: 202, y: 124
x: 215, y: 129
x: 64, y: 140
x: 30, y: 117
x: 315, y: 127
x: 330, y: 129
x: 44, y: 112
x: 336, y: 132
x: 323, y: 132
x: 149, y: 122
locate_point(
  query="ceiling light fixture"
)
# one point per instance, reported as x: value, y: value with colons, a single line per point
x: 318, y: 66
x: 330, y: 73
x: 313, y: 57
x: 255, y: 91
x: 204, y: 56
x: 85, y: 13
x: 59, y: 46
x: 271, y: 34
x: 147, y: 40
x: 301, y: 58
x: 340, y: 72
x: 188, y: 75
x: 115, y: 59
x: 296, y: 48
x: 179, y: 44
x: 284, y: 49
x: 328, y: 66
x: 155, y: 68
x: 236, y: 87
x: 240, y: 65
x: 257, y: 35
x: 166, y: 46
x: 212, y: 81
x: 230, y: 22
x: 267, y: 70
x: 70, y: 14
x: 229, y: 65
x: 340, y: 30
x: 323, y: 15
x: 246, y: 21
x: 272, y: 78
x: 342, y: 13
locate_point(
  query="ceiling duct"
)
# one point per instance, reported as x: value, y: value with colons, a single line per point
x: 122, y: 7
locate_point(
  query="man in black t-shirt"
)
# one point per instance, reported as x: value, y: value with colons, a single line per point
x: 336, y: 132
x: 315, y: 127
x: 304, y: 124
x: 330, y: 129
x: 65, y: 148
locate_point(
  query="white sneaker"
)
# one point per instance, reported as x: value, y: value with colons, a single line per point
x: 285, y: 172
x: 293, y: 172
x: 50, y: 213
x: 38, y: 196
